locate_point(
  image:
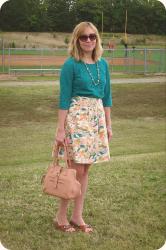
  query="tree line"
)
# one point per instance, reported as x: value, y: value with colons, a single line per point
x: 143, y: 16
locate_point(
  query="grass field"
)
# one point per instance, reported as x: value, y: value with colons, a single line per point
x: 58, y: 39
x: 53, y: 78
x: 125, y: 202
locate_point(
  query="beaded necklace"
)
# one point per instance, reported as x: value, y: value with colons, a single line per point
x: 91, y: 76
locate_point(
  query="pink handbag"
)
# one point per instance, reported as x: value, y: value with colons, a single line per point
x: 61, y: 181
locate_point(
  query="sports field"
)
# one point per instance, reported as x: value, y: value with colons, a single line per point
x: 126, y: 197
x: 120, y: 60
x: 32, y: 60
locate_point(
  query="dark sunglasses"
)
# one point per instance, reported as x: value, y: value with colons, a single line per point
x: 84, y: 38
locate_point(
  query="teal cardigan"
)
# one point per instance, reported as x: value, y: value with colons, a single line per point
x: 76, y: 81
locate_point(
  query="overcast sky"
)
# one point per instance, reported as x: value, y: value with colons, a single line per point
x: 163, y: 1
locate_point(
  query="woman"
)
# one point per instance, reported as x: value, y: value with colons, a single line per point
x: 84, y: 115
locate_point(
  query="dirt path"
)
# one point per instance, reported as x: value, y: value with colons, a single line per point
x: 38, y: 60
x: 159, y: 79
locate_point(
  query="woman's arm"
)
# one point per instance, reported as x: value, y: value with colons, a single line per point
x: 60, y: 134
x: 66, y: 81
x: 107, y: 111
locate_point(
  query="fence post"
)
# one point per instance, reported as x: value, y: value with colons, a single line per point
x: 9, y: 58
x: 145, y: 60
x: 162, y: 64
x: 133, y: 51
x: 112, y: 59
x: 3, y: 55
x: 41, y: 62
x: 163, y: 60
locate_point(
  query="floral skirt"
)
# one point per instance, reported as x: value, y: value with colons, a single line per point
x: 86, y: 131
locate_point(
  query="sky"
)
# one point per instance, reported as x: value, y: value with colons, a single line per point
x: 162, y: 1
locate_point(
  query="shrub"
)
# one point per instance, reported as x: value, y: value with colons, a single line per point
x: 12, y: 45
x: 66, y: 40
x: 54, y: 35
x: 140, y: 40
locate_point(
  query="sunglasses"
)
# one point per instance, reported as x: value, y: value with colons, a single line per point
x: 84, y: 38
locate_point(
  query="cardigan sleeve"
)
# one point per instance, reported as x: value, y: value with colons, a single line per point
x: 66, y: 79
x: 107, y: 99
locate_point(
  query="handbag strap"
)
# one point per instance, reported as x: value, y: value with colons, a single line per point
x: 55, y: 154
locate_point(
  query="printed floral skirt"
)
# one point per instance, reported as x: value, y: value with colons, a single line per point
x: 86, y: 131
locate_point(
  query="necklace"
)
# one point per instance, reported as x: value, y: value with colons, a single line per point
x: 91, y: 76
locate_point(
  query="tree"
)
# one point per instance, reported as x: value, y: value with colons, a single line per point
x: 60, y: 14
x: 13, y: 20
x: 144, y: 16
x: 27, y: 15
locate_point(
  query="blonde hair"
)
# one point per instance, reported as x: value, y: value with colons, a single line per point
x: 74, y: 46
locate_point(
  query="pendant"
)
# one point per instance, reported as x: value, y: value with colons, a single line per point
x: 91, y: 76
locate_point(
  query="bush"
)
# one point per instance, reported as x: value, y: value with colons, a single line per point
x: 140, y: 41
x: 12, y: 45
x: 123, y: 42
x: 66, y: 40
x: 54, y: 35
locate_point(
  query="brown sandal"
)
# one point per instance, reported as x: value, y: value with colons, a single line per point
x: 81, y: 227
x: 64, y: 228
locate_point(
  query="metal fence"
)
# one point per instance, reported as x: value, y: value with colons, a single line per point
x: 49, y: 61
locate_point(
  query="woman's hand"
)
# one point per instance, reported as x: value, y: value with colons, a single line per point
x: 59, y: 140
x: 109, y: 133
x: 60, y: 137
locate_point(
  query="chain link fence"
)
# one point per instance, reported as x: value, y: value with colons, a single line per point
x: 49, y: 61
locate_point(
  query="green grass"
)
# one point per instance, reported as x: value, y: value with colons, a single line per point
x: 54, y: 77
x: 35, y: 51
x: 125, y: 202
x: 39, y: 72
x: 38, y: 78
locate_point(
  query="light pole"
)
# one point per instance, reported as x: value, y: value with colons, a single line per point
x: 126, y: 27
x: 102, y: 26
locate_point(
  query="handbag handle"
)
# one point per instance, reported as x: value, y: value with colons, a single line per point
x: 55, y: 155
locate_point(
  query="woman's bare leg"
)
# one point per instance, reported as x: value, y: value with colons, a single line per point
x: 82, y: 177
x: 61, y: 216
